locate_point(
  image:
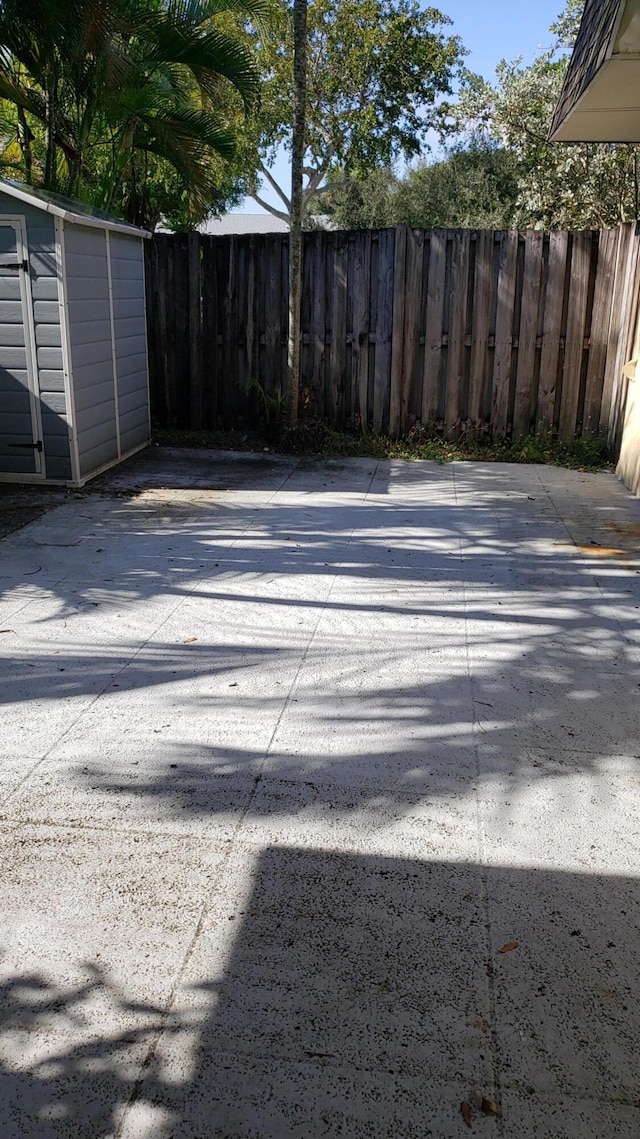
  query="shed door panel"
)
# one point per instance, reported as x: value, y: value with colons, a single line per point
x: 20, y: 450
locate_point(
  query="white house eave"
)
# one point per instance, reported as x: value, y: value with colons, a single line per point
x: 70, y: 215
x: 608, y: 110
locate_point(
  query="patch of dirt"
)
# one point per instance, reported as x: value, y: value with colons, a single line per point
x: 625, y: 529
x: 20, y: 505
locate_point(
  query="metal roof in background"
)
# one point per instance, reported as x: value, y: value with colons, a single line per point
x: 231, y: 224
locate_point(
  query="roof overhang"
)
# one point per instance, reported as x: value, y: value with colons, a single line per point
x: 609, y: 109
x: 600, y: 101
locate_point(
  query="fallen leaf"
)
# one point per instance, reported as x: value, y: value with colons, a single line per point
x: 490, y: 1107
x: 608, y: 994
x: 234, y: 684
x: 478, y: 1022
x: 509, y: 946
x: 190, y: 640
x: 465, y: 1108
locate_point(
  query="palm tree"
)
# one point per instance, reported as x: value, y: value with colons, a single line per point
x: 113, y: 84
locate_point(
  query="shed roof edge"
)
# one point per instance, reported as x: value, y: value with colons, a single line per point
x: 69, y: 215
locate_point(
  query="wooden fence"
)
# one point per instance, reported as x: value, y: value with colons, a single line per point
x: 499, y: 333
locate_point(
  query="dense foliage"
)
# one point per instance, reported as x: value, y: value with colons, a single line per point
x: 130, y: 104
x: 499, y: 168
x: 174, y: 110
x: 473, y: 186
x: 376, y: 70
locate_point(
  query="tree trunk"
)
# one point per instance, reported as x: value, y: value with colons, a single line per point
x: 297, y: 205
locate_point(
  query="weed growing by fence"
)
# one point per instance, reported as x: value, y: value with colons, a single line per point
x: 316, y: 440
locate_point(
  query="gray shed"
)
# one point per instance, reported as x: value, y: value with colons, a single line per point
x: 74, y: 383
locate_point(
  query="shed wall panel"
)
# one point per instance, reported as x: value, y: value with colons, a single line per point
x: 48, y: 336
x: 50, y: 359
x: 41, y: 242
x: 88, y: 288
x: 90, y: 345
x: 130, y: 339
x: 134, y: 365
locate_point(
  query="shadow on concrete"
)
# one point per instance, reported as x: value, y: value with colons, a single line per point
x: 514, y: 641
x: 341, y: 994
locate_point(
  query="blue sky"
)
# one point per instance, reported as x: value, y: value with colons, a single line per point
x: 491, y: 30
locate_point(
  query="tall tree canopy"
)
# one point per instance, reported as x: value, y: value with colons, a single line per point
x: 130, y: 104
x: 472, y: 186
x: 375, y: 72
x: 577, y: 185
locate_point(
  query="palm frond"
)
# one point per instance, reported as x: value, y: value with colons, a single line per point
x: 209, y: 52
x: 188, y: 127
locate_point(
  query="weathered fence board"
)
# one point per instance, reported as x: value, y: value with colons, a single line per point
x: 502, y: 371
x: 552, y: 323
x: 434, y: 317
x: 600, y: 318
x: 501, y: 333
x: 574, y: 346
x: 361, y: 310
x: 629, y: 272
x: 456, y: 334
x: 384, y: 329
x: 524, y: 406
x: 479, y: 366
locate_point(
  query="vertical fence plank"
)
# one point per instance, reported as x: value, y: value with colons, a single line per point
x: 156, y: 271
x: 329, y: 406
x: 361, y: 285
x: 456, y: 350
x: 180, y: 307
x: 628, y: 316
x: 170, y: 325
x: 574, y: 343
x: 480, y: 328
x: 272, y: 379
x: 228, y: 378
x: 551, y: 331
x: 613, y: 333
x: 600, y: 322
x: 315, y: 251
x: 209, y: 349
x: 338, y: 344
x: 250, y: 325
x: 412, y: 312
x: 194, y: 332
x: 399, y: 295
x: 433, y: 326
x: 504, y: 333
x: 525, y: 400
x: 384, y: 329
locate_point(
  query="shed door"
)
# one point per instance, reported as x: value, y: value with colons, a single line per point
x: 20, y: 438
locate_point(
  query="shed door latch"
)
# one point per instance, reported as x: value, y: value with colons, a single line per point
x: 31, y: 446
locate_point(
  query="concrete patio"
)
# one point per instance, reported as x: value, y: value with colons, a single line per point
x: 321, y: 804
